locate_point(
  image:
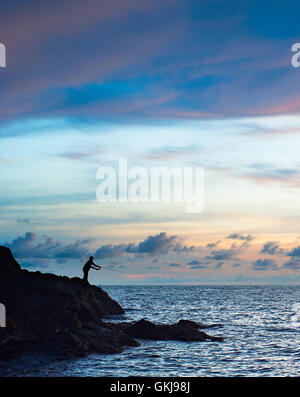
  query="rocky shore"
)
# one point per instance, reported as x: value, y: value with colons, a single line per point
x: 63, y: 317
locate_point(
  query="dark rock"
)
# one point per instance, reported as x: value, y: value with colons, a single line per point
x: 62, y: 317
x: 59, y: 315
x: 8, y: 265
x: 10, y: 344
x: 184, y: 330
x: 188, y: 323
x: 198, y: 325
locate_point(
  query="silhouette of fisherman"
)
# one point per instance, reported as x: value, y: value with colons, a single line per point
x: 88, y: 266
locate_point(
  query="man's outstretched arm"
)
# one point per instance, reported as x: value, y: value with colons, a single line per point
x: 96, y: 267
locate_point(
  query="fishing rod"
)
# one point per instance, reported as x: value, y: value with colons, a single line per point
x: 107, y: 268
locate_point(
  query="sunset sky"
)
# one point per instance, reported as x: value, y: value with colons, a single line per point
x: 159, y: 83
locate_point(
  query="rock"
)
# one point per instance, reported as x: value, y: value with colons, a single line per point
x: 188, y: 323
x: 184, y: 330
x: 62, y: 317
x: 198, y: 325
x: 10, y: 344
x: 8, y: 265
x: 59, y: 315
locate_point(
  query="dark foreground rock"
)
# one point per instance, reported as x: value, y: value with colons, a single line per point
x: 53, y: 314
x: 63, y: 317
x: 184, y: 330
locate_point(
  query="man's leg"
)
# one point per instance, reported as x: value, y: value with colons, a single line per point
x: 85, y: 275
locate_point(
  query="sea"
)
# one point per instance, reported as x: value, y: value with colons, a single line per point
x: 260, y: 324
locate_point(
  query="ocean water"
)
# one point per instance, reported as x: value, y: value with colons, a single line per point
x: 261, y: 326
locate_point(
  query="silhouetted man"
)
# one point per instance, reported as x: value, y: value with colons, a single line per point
x: 88, y: 266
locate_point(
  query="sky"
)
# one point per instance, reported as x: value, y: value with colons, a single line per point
x: 188, y: 83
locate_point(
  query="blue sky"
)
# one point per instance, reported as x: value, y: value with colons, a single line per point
x: 183, y: 83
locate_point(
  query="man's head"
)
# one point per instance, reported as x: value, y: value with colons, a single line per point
x: 91, y: 258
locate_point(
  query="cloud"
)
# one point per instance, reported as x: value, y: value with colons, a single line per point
x: 79, y: 155
x: 213, y: 245
x: 265, y: 174
x: 238, y: 236
x: 295, y: 252
x: 110, y: 251
x: 29, y: 221
x: 227, y: 253
x: 222, y: 254
x: 264, y: 264
x: 29, y: 247
x: 194, y: 264
x: 272, y: 248
x: 153, y: 245
x: 197, y: 267
x: 175, y: 265
x: 160, y: 243
x: 293, y: 263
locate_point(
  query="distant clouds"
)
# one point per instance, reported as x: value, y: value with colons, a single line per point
x: 265, y: 264
x: 239, y: 236
x: 29, y: 221
x: 194, y: 264
x: 111, y: 251
x: 159, y: 249
x: 30, y: 247
x: 213, y: 245
x: 198, y: 267
x: 76, y: 155
x: 222, y: 254
x: 293, y: 264
x: 175, y: 265
x: 152, y: 245
x: 272, y: 248
x: 294, y: 252
x: 228, y: 253
x: 266, y: 174
x: 160, y: 243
